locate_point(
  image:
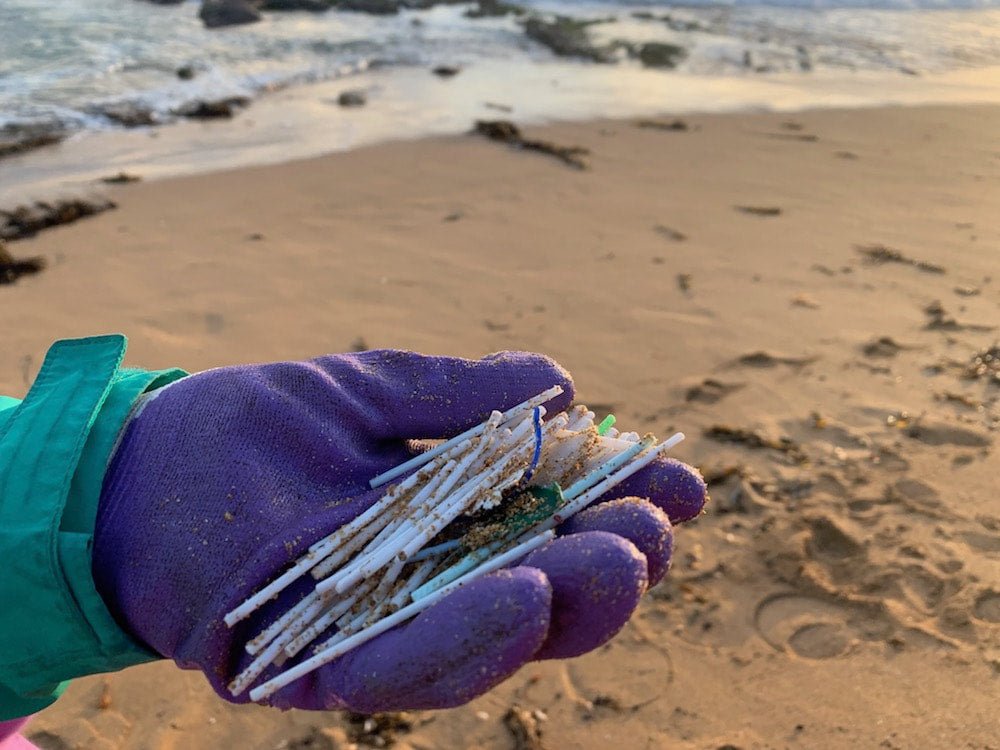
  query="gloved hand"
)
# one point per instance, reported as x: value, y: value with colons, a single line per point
x: 222, y: 478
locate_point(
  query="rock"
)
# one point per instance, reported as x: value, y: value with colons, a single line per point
x: 426, y: 4
x: 26, y: 221
x: 675, y: 24
x: 679, y: 24
x: 128, y: 114
x: 374, y: 7
x: 661, y: 55
x: 499, y: 130
x: 493, y: 9
x: 883, y: 346
x: 378, y: 730
x: 677, y: 126
x: 217, y: 13
x: 390, y: 7
x: 567, y: 37
x: 507, y: 132
x: 669, y: 232
x: 984, y: 364
x: 751, y: 438
x: 122, y: 178
x: 446, y: 71
x: 352, y: 98
x: 525, y: 729
x: 16, y: 138
x: 11, y: 268
x: 213, y: 109
x: 879, y: 254
x: 314, y: 6
x: 759, y: 210
x: 186, y: 72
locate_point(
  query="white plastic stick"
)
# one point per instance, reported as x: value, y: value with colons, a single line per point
x: 420, y: 574
x: 307, y: 636
x: 398, y: 545
x: 392, y: 527
x: 437, y: 450
x: 385, y: 537
x: 318, y: 552
x: 273, y: 650
x: 582, y: 421
x: 615, y: 479
x: 271, y: 590
x: 263, y: 660
x: 439, y: 549
x: 606, y: 469
x: 329, y: 654
x: 459, y: 502
x: 258, y: 643
x: 345, y: 551
x: 380, y: 557
x: 609, y: 472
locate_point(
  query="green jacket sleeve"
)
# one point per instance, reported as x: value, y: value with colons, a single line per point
x: 54, y: 448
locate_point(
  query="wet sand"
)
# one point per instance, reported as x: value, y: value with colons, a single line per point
x: 765, y: 283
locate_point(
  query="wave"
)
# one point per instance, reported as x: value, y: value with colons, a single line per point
x: 70, y: 62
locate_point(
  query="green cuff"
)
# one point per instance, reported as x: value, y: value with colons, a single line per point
x: 54, y: 449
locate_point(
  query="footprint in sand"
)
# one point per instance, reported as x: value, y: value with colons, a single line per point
x: 830, y: 542
x: 638, y: 658
x: 759, y: 210
x: 945, y: 434
x: 865, y: 509
x: 710, y: 391
x: 924, y: 589
x: 982, y: 542
x: 804, y: 625
x: 764, y: 359
x: 987, y: 607
x: 820, y: 640
x: 915, y: 496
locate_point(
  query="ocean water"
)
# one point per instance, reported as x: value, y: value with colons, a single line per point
x: 62, y: 60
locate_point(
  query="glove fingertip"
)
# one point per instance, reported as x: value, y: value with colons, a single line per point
x: 675, y: 487
x: 597, y: 580
x: 635, y: 519
x: 452, y: 652
x: 534, y: 372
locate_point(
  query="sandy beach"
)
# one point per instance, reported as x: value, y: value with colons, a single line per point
x: 803, y: 294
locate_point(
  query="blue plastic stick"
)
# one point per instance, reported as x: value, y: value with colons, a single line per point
x: 536, y: 417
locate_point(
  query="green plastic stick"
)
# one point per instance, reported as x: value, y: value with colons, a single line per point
x: 606, y: 424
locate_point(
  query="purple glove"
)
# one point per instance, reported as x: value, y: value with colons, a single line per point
x: 224, y: 477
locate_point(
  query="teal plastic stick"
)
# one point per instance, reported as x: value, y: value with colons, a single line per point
x: 428, y: 552
x: 473, y: 559
x: 552, y: 500
x: 585, y: 483
x: 463, y: 566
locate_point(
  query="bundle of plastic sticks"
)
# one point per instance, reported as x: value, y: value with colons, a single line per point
x: 468, y: 506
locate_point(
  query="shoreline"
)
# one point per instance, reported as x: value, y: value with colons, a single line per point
x: 304, y: 121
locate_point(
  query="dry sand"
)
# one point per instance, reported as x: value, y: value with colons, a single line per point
x: 842, y: 589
